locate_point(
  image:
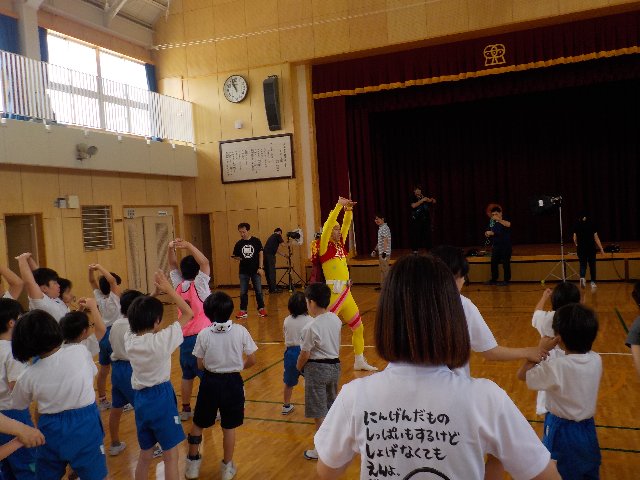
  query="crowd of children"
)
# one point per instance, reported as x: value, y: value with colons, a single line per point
x: 47, y: 358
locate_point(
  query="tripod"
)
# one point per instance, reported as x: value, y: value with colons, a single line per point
x: 562, y: 263
x: 291, y: 274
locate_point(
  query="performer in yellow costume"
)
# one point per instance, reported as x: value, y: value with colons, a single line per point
x: 333, y: 256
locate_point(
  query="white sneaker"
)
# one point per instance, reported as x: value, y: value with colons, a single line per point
x: 184, y: 416
x: 127, y: 408
x: 583, y: 283
x: 361, y: 364
x: 311, y: 454
x: 117, y: 449
x: 228, y: 470
x: 593, y: 285
x: 104, y: 404
x: 192, y: 469
x: 287, y: 409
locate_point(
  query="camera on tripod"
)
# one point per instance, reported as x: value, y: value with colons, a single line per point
x: 295, y: 235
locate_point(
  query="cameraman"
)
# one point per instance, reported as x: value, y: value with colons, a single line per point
x: 271, y: 247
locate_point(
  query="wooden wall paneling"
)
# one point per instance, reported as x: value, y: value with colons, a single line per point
x: 40, y: 188
x: 76, y: 183
x: 222, y: 243
x: 11, y: 190
x: 241, y: 196
x: 133, y: 189
x: 107, y: 190
x: 204, y: 92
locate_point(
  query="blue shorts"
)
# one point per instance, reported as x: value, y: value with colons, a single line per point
x: 188, y: 361
x: 104, y: 357
x: 291, y: 373
x: 121, y: 389
x: 74, y: 437
x: 157, y: 419
x: 21, y: 463
x: 574, y: 445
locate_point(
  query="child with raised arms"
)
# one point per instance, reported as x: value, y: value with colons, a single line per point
x: 61, y: 384
x: 42, y: 287
x: 149, y: 349
x: 297, y: 320
x: 14, y: 283
x: 223, y: 350
x: 106, y: 290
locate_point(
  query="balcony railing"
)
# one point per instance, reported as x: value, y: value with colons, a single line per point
x: 33, y: 89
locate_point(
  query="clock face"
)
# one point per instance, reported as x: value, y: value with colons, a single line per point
x: 235, y: 88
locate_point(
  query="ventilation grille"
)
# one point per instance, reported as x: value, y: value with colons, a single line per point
x: 97, y: 227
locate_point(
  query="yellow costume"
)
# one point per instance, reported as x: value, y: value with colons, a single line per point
x: 336, y: 272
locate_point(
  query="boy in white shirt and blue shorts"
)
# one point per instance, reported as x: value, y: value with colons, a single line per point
x: 571, y: 383
x: 223, y: 350
x: 149, y: 349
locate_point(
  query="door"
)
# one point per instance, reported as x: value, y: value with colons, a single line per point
x: 24, y: 234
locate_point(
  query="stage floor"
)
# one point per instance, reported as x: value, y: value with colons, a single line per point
x: 529, y: 263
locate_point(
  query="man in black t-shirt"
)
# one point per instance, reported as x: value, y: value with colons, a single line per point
x: 248, y: 250
x: 270, y: 250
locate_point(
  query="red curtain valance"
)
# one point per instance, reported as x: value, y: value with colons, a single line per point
x: 545, y: 46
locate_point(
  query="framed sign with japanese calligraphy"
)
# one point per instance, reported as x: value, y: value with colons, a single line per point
x: 260, y: 158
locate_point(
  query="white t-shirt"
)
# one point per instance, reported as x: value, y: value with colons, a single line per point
x: 571, y: 383
x: 321, y: 337
x: 221, y: 347
x: 201, y: 283
x: 543, y: 322
x: 10, y: 370
x: 7, y: 295
x: 409, y: 417
x: 480, y: 335
x: 92, y: 345
x: 118, y: 330
x: 293, y: 327
x: 109, y: 306
x: 53, y: 306
x: 150, y: 355
x: 62, y: 381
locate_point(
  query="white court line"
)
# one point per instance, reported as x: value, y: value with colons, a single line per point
x: 342, y: 346
x: 614, y: 353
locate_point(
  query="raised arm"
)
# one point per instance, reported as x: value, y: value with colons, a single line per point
x: 90, y: 306
x: 92, y: 277
x: 33, y: 290
x: 327, y: 228
x: 173, y: 260
x: 163, y: 285
x: 113, y: 283
x: 346, y: 221
x: 203, y: 262
x: 14, y: 282
x: 543, y: 299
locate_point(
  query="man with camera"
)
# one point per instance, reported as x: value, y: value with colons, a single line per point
x: 271, y: 247
x: 383, y: 247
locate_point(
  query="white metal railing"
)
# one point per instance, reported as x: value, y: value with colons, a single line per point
x: 34, y: 89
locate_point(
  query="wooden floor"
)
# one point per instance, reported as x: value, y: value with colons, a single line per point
x: 270, y: 446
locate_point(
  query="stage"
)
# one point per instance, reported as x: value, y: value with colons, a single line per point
x: 529, y: 263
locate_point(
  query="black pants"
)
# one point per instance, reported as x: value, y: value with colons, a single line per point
x: 420, y: 234
x: 270, y: 271
x: 587, y: 258
x: 501, y: 255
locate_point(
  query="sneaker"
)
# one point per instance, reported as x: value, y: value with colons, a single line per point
x: 262, y: 312
x: 117, y: 449
x: 311, y: 454
x: 360, y: 363
x: 593, y: 285
x: 184, y: 416
x: 104, y: 404
x: 287, y: 409
x: 127, y: 408
x: 583, y: 283
x: 490, y: 282
x: 228, y: 470
x: 192, y: 468
x: 502, y: 284
x: 242, y: 314
x: 157, y: 451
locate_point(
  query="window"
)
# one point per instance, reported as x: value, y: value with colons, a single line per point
x: 94, y: 87
x: 97, y: 227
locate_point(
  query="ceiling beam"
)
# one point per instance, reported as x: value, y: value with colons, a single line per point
x: 111, y: 11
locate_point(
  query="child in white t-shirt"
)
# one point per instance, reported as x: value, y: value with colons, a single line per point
x: 21, y: 463
x: 562, y: 294
x: 223, y: 350
x: 571, y: 382
x: 61, y: 384
x: 42, y: 287
x: 149, y: 349
x: 106, y: 290
x: 297, y: 320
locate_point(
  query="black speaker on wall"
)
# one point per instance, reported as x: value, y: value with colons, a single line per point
x: 272, y: 102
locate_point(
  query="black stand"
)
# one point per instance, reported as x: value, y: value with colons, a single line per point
x: 562, y: 263
x: 291, y: 275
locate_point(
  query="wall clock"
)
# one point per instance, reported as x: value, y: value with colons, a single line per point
x: 235, y: 88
